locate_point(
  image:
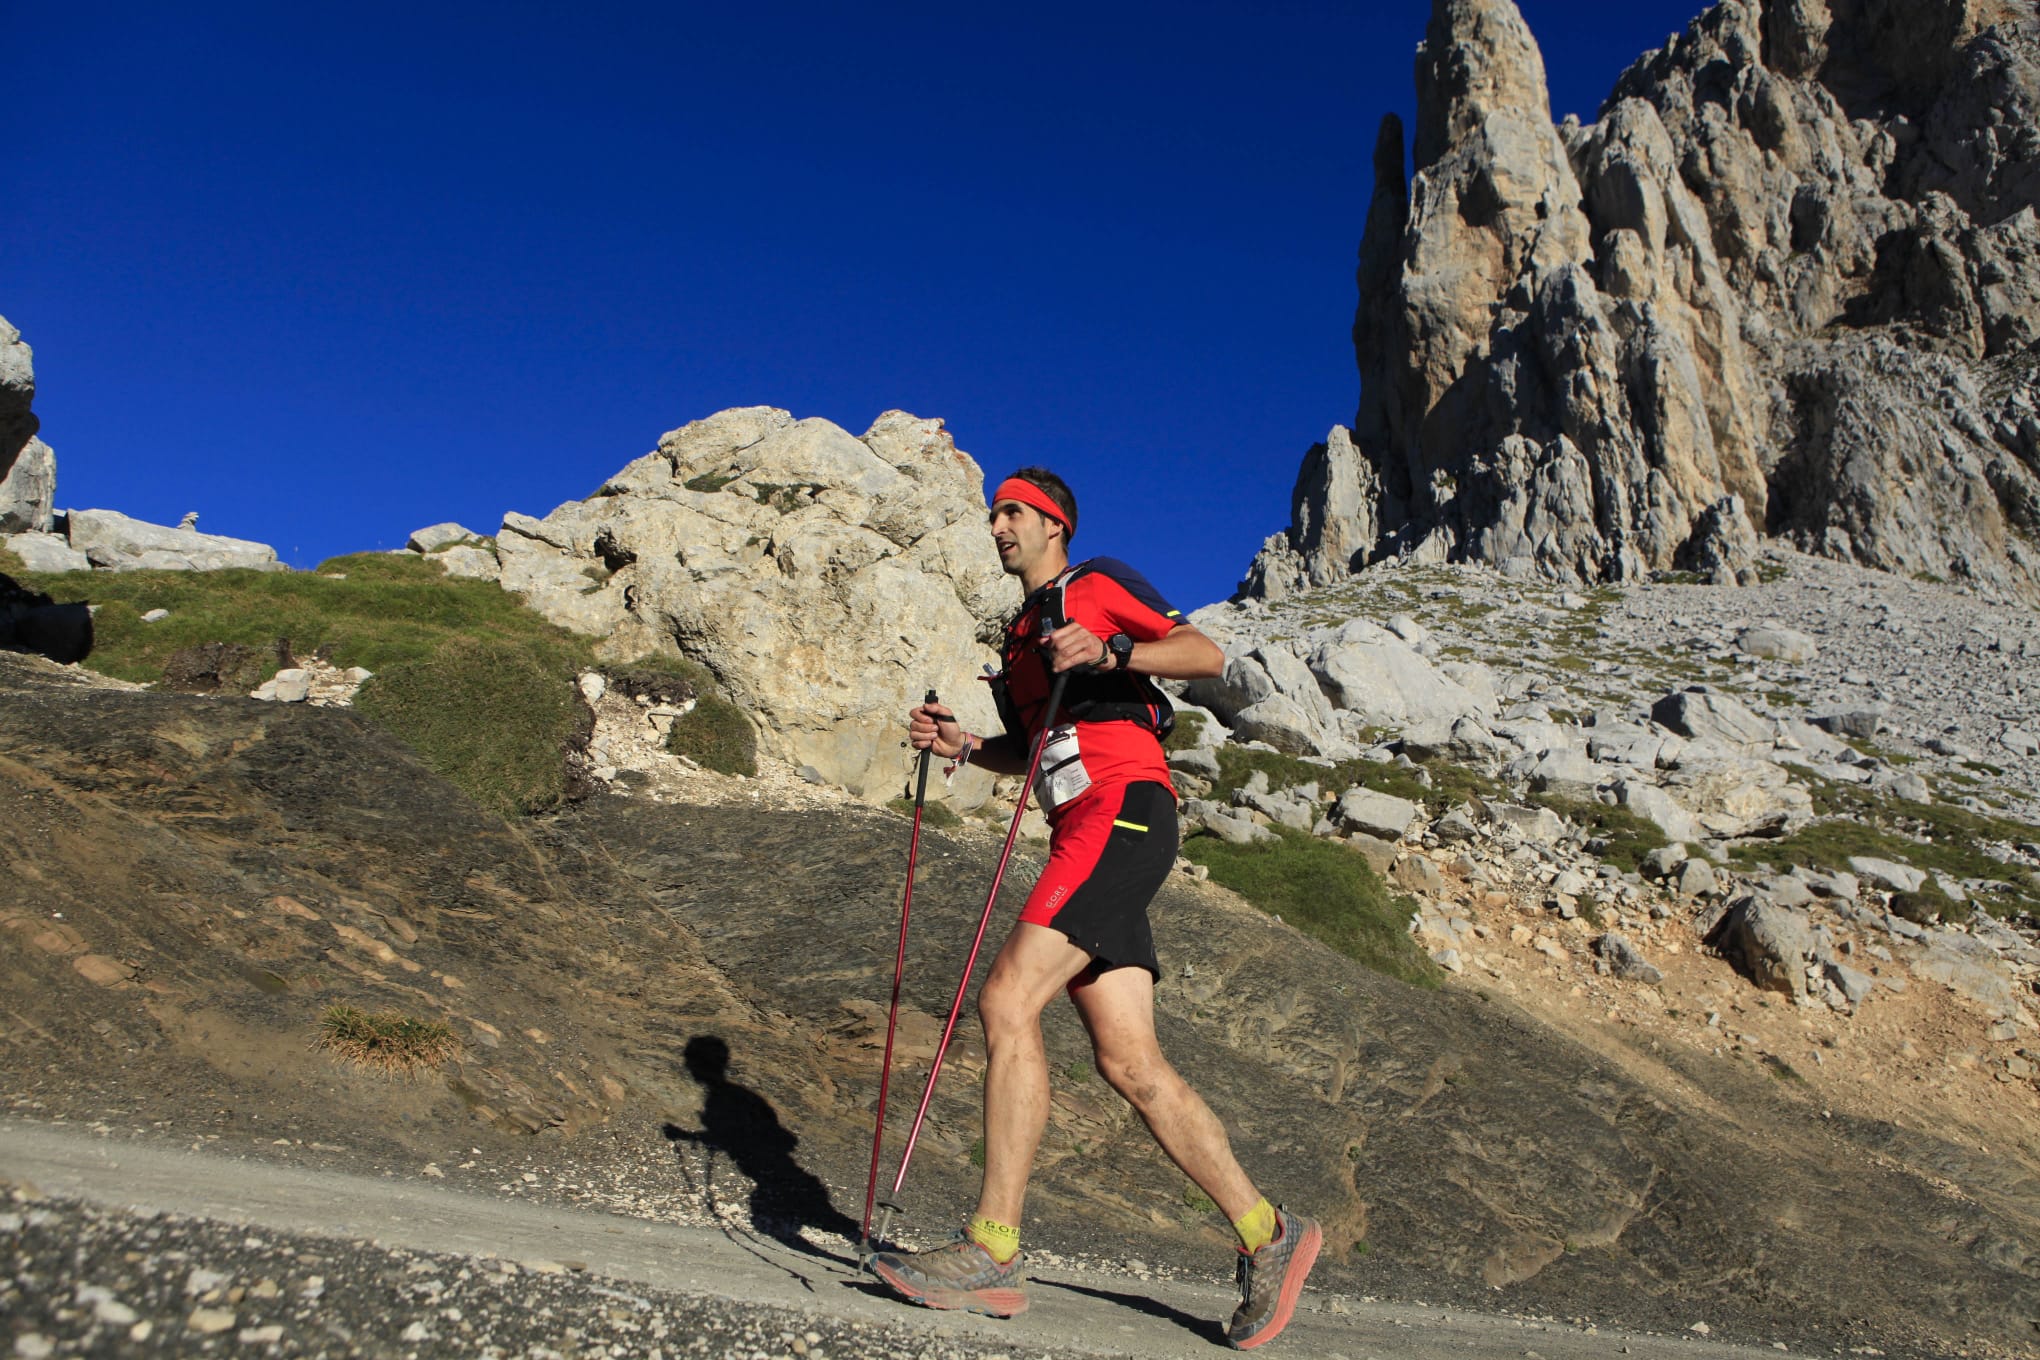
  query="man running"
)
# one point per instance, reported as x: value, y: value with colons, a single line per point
x: 1104, y: 785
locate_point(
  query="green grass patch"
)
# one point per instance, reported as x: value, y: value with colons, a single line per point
x: 386, y: 1041
x: 445, y: 650
x: 1629, y: 837
x: 391, y: 608
x: 1187, y: 734
x: 716, y: 736
x: 715, y: 733
x: 1325, y: 890
x: 1196, y: 1201
x: 932, y: 814
x: 1450, y: 784
x: 710, y: 481
x: 1936, y: 837
x: 1926, y: 902
x: 490, y: 716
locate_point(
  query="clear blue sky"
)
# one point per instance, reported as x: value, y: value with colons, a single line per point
x: 327, y: 274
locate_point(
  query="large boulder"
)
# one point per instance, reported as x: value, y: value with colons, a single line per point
x: 1784, y: 284
x: 112, y: 541
x: 1383, y: 681
x: 1774, y: 943
x: 1704, y: 714
x: 28, y: 469
x: 827, y: 580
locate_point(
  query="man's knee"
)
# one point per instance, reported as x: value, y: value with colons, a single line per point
x: 1003, y: 1008
x: 1141, y: 1077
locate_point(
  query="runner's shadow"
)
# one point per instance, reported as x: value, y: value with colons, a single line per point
x: 742, y: 1125
x: 1204, y: 1329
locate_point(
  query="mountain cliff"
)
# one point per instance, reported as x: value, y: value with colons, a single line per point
x: 1788, y: 284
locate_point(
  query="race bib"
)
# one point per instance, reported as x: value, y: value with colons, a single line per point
x: 1062, y: 777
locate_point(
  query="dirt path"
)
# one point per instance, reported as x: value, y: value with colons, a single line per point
x: 1073, y: 1313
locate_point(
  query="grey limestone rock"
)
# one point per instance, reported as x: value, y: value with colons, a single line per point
x: 46, y: 552
x: 827, y: 580
x: 1625, y: 961
x: 28, y: 469
x: 436, y: 536
x: 1774, y: 943
x: 1701, y: 713
x: 1376, y: 814
x: 1886, y: 874
x: 112, y: 541
x: 1784, y: 285
x: 1777, y: 642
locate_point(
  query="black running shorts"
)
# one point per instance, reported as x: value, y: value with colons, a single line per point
x: 1108, y: 856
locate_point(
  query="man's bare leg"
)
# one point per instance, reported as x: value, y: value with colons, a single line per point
x: 1034, y: 964
x: 1118, y: 1008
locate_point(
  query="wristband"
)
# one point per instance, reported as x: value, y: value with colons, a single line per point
x: 962, y: 759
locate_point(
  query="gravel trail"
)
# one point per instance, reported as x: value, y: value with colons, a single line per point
x: 130, y: 1248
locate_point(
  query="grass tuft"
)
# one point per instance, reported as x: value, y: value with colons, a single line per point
x: 1937, y: 837
x: 715, y: 734
x: 1325, y: 890
x: 1629, y: 837
x: 387, y: 1041
x: 1188, y: 733
x: 492, y: 717
x: 932, y: 813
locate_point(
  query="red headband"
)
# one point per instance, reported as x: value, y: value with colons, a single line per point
x: 1027, y: 493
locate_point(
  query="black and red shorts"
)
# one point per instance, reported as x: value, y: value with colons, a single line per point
x: 1108, y: 856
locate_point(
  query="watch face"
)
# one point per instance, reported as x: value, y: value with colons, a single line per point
x: 1122, y: 648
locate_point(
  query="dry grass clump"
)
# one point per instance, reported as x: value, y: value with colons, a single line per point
x: 387, y: 1041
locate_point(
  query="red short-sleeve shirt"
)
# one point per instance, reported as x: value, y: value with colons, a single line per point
x: 1107, y: 597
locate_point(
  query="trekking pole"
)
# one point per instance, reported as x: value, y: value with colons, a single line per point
x: 893, y: 1013
x: 956, y: 1007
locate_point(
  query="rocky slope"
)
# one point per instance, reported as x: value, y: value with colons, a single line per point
x: 1787, y: 284
x: 192, y: 881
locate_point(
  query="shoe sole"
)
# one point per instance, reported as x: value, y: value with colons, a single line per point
x: 1292, y: 1289
x: 999, y: 1303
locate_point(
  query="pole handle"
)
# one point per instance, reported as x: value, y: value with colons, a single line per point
x: 921, y: 779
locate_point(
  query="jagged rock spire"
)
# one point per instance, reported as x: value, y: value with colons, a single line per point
x: 1788, y: 282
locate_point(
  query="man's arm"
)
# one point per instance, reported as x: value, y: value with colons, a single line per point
x: 932, y: 727
x: 1182, y: 653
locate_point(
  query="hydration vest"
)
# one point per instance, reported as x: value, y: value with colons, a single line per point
x: 1088, y: 696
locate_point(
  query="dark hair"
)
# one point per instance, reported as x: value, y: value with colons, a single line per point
x: 1058, y: 491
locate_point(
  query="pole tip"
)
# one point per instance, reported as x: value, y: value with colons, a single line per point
x: 931, y: 698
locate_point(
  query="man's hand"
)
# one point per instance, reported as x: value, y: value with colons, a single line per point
x: 932, y: 727
x: 1074, y: 647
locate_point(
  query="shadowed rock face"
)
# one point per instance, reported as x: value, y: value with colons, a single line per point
x: 28, y: 470
x: 225, y: 869
x: 1592, y: 352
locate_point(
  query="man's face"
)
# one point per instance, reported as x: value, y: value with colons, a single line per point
x: 1022, y: 535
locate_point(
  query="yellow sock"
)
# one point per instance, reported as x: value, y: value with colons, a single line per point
x: 1002, y: 1240
x: 1257, y: 1229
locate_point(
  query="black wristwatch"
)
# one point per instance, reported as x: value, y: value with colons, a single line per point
x: 1121, y: 647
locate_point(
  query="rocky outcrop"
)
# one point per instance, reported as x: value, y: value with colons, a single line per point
x: 1786, y: 284
x: 827, y: 580
x: 28, y: 469
x: 112, y: 541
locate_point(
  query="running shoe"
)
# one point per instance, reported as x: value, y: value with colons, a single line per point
x: 1271, y: 1280
x: 957, y: 1274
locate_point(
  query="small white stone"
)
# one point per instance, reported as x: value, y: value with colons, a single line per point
x: 155, y: 616
x: 207, y: 1321
x: 262, y: 1336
